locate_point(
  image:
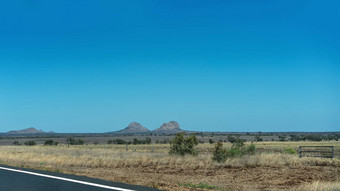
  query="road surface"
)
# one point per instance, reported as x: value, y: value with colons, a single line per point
x: 21, y: 179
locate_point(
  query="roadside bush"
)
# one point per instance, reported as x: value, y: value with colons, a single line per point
x: 289, y: 150
x: 50, y: 142
x: 238, y: 149
x: 251, y: 149
x: 30, y: 143
x: 219, y: 153
x: 181, y: 146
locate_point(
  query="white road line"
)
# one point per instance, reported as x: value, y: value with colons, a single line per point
x: 67, y: 179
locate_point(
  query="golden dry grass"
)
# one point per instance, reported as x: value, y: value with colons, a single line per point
x: 320, y: 186
x: 263, y: 171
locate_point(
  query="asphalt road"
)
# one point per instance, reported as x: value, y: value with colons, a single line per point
x: 22, y: 179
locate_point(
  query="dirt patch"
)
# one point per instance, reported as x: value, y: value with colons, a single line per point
x: 230, y: 178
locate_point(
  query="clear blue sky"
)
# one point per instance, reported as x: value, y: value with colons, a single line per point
x: 97, y: 65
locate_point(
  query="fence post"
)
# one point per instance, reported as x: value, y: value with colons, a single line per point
x: 300, y: 153
x: 127, y: 147
x: 332, y: 151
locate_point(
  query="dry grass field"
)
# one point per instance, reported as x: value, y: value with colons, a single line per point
x: 151, y: 165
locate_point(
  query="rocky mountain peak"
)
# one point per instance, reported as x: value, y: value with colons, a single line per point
x: 30, y: 130
x: 170, y: 127
x: 134, y: 128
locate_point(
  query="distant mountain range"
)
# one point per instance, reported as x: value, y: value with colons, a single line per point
x: 172, y: 127
x: 134, y: 128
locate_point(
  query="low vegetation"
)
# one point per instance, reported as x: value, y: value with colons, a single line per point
x: 237, y: 149
x: 50, y: 142
x: 289, y: 150
x: 30, y: 143
x: 16, y: 143
x: 118, y: 142
x: 320, y: 186
x: 73, y: 141
x: 135, y: 141
x: 315, y: 137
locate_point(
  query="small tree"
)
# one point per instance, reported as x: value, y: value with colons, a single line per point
x: 148, y: 141
x: 211, y: 141
x: 73, y: 141
x: 30, y: 143
x: 231, y: 139
x: 16, y: 143
x: 220, y: 153
x: 48, y: 142
x: 238, y: 149
x: 181, y: 146
x: 80, y: 142
x: 258, y: 138
x: 135, y: 141
x: 282, y: 138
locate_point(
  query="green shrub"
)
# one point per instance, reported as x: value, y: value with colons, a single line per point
x: 289, y: 150
x: 238, y: 143
x: 181, y: 146
x: 139, y: 142
x: 219, y: 153
x: 251, y: 149
x: 282, y: 138
x: 73, y: 141
x: 30, y: 143
x: 258, y: 138
x: 231, y: 139
x: 118, y: 142
x: 50, y: 142
x: 16, y: 143
x: 238, y: 149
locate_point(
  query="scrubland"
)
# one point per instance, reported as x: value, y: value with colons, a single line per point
x: 151, y: 165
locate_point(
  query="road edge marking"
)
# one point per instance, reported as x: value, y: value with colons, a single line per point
x: 67, y: 179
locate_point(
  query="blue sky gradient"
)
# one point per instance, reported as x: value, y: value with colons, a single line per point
x: 96, y: 66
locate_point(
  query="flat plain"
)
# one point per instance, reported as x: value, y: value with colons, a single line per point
x: 271, y: 168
